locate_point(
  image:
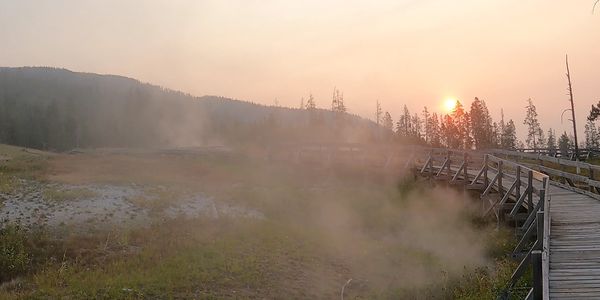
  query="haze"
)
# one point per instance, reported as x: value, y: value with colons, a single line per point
x: 400, y: 52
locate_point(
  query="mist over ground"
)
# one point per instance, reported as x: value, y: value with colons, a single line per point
x: 274, y: 229
x: 128, y: 190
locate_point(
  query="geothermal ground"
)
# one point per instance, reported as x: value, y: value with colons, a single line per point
x: 221, y: 223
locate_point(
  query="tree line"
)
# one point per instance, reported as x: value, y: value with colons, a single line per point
x: 475, y: 129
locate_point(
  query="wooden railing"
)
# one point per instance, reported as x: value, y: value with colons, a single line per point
x: 583, y: 153
x: 519, y: 188
x: 577, y: 175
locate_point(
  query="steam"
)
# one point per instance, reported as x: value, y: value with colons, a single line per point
x: 407, y: 242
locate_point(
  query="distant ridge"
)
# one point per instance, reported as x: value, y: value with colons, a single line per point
x: 58, y: 109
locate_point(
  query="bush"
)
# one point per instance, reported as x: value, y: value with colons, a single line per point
x: 14, y: 259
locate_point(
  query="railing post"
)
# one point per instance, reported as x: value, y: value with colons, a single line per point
x: 500, y: 187
x: 530, y: 191
x: 485, y: 170
x: 591, y: 177
x: 448, y: 155
x: 536, y: 262
x: 539, y: 222
x: 466, y: 167
x: 518, y: 179
x: 431, y: 163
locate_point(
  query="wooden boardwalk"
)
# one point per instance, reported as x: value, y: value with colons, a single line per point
x: 558, y: 224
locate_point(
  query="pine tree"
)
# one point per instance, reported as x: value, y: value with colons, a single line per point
x: 591, y: 135
x: 564, y: 144
x: 388, y: 123
x: 426, y: 125
x: 461, y: 128
x: 337, y: 103
x: 416, y: 126
x: 434, y: 131
x: 310, y: 103
x: 502, y: 124
x: 535, y: 134
x: 378, y: 113
x: 541, y: 137
x: 551, y: 142
x: 481, y: 124
x: 594, y: 112
x: 450, y: 133
x: 496, y: 136
x: 509, y: 136
x: 403, y: 126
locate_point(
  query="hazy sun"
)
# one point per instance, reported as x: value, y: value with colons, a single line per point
x: 449, y: 104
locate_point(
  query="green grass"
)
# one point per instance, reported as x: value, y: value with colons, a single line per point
x: 174, y: 261
x: 14, y: 255
x: 20, y: 164
x: 155, y: 199
x: 8, y: 184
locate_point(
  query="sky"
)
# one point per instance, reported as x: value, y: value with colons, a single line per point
x: 404, y: 52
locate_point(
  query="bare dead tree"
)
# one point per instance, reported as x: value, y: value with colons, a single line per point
x: 570, y: 89
x: 594, y: 7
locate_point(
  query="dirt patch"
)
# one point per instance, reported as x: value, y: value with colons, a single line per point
x: 95, y: 206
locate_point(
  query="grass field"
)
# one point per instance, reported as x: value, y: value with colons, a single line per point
x: 395, y: 238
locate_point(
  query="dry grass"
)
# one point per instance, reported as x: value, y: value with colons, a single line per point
x: 56, y: 194
x: 156, y: 199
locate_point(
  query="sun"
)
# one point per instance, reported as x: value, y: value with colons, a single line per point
x: 450, y: 104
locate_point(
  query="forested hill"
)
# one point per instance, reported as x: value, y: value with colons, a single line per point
x: 56, y: 109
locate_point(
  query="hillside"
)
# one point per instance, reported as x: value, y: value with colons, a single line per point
x: 57, y: 109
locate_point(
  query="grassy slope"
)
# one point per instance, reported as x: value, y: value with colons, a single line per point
x: 322, y: 228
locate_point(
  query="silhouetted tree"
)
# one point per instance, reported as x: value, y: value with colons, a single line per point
x: 434, y: 131
x: 591, y: 135
x: 509, y: 136
x: 481, y: 124
x: 378, y: 113
x: 564, y: 144
x: 426, y: 125
x: 403, y: 126
x: 337, y: 103
x: 310, y: 103
x: 388, y: 123
x: 535, y: 135
x: 551, y: 142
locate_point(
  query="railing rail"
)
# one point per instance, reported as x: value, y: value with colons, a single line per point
x: 576, y: 174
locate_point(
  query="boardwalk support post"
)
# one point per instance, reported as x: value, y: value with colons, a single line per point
x: 536, y: 260
x: 466, y: 167
x: 485, y: 170
x: 530, y: 192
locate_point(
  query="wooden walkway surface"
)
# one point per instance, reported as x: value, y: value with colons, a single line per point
x: 574, y: 245
x: 574, y: 248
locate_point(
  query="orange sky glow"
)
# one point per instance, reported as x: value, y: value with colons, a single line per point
x: 418, y: 53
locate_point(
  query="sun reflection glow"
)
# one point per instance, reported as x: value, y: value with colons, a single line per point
x: 450, y: 104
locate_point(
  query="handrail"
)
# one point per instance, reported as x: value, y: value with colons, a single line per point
x: 556, y: 160
x: 546, y: 242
